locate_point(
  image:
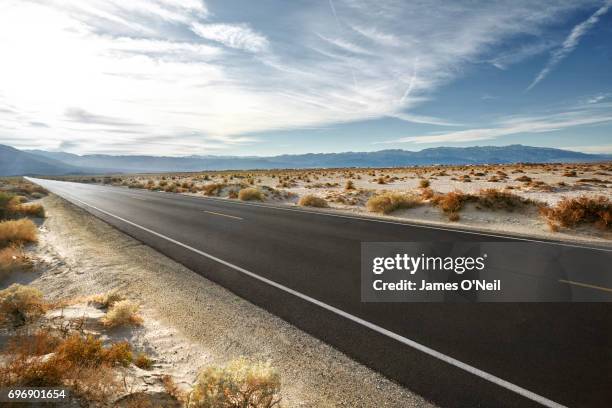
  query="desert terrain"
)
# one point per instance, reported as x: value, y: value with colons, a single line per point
x: 85, y: 307
x: 569, y: 202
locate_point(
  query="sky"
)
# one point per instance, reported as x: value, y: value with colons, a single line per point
x: 267, y: 77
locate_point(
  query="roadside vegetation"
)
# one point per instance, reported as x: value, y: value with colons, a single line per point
x: 45, y: 348
x: 451, y: 191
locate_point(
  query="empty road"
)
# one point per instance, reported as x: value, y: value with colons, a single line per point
x: 305, y: 267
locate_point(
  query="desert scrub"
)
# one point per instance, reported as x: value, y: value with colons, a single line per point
x: 20, y: 304
x: 80, y: 363
x: 249, y: 194
x: 502, y: 200
x: 349, y: 185
x: 310, y: 200
x: 424, y: 183
x: 13, y: 259
x: 143, y: 361
x: 17, y: 232
x: 213, y: 189
x: 122, y: 313
x: 570, y: 212
x: 451, y: 203
x: 240, y: 384
x: 386, y: 203
x: 106, y: 300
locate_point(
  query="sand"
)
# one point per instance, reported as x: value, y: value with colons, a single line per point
x: 190, y: 322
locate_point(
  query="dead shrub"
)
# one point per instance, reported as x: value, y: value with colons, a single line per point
x: 524, y: 179
x: 453, y: 216
x: 13, y: 259
x: 424, y: 183
x: 501, y: 200
x: 19, y: 304
x: 240, y: 384
x: 107, y: 299
x: 122, y: 313
x: 451, y: 202
x: 313, y: 201
x: 143, y: 361
x: 249, y: 194
x: 213, y: 189
x: 30, y: 210
x: 17, y: 232
x: 349, y: 185
x: 388, y: 202
x: 570, y: 212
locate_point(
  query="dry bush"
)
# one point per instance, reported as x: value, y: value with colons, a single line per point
x: 388, y: 202
x: 17, y: 232
x: 452, y: 202
x: 239, y: 384
x: 453, y: 216
x: 349, y: 185
x: 524, y: 179
x: 19, y: 304
x: 78, y: 362
x: 424, y: 183
x: 213, y: 189
x: 571, y: 173
x: 249, y: 194
x: 427, y: 193
x: 312, y: 201
x: 6, y: 200
x: 143, y: 361
x: 30, y: 210
x: 13, y: 259
x: 501, y: 200
x: 233, y: 194
x: 122, y: 313
x: 570, y: 212
x: 107, y: 299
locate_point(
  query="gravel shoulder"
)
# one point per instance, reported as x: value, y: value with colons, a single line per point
x: 191, y: 322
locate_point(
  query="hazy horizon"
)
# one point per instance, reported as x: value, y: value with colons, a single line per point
x: 179, y: 78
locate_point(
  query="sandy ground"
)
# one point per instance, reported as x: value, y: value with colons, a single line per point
x: 190, y: 322
x: 546, y: 184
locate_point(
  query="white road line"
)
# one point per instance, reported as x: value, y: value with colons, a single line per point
x: 586, y: 285
x: 411, y: 343
x: 222, y: 215
x: 369, y: 219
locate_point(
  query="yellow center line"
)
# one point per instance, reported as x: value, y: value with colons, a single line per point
x: 222, y: 215
x: 586, y: 285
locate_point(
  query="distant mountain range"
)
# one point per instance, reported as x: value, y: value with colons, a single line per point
x: 40, y: 162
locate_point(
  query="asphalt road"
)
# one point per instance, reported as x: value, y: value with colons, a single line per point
x: 305, y: 267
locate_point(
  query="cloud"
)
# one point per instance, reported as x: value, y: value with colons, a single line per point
x: 599, y: 149
x: 516, y: 125
x: 83, y: 116
x: 115, y: 72
x: 570, y: 43
x: 241, y: 36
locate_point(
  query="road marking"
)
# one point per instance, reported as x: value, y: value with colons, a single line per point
x: 404, y: 340
x: 586, y: 285
x: 223, y: 215
x: 362, y: 218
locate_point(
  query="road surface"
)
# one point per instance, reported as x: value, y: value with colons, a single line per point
x: 304, y: 267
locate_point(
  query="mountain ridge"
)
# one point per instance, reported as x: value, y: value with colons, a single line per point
x: 104, y: 163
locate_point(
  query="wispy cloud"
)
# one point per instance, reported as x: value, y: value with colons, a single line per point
x: 516, y: 125
x: 570, y: 43
x: 108, y: 70
x: 598, y: 149
x: 231, y: 35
